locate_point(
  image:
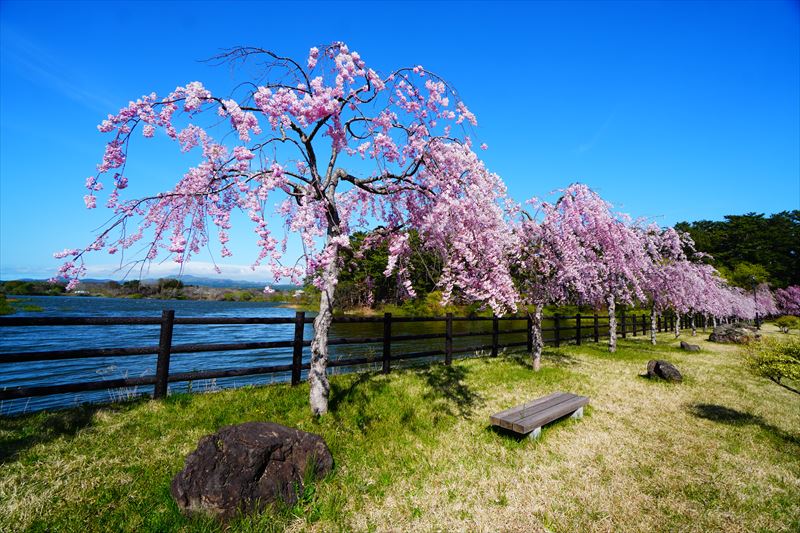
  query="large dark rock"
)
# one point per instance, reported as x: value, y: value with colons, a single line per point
x: 248, y: 466
x: 663, y: 370
x: 689, y: 347
x: 736, y: 333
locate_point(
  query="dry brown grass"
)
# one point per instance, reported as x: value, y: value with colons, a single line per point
x: 651, y: 457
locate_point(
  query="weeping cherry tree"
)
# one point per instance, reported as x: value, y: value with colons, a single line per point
x: 327, y: 146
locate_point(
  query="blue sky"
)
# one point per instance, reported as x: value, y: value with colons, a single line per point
x: 671, y: 110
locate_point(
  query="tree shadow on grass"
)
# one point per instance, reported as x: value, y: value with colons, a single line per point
x: 522, y: 359
x: 352, y: 399
x: 549, y: 355
x: 19, y: 433
x: 447, y: 383
x: 357, y: 391
x: 560, y: 358
x: 732, y: 417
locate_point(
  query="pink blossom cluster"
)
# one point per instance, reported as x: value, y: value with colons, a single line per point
x: 424, y: 175
x: 579, y: 251
x: 788, y: 300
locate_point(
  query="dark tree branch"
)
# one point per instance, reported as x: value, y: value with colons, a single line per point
x: 787, y: 387
x: 242, y: 53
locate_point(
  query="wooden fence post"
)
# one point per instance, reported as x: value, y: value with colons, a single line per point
x: 297, y: 347
x: 557, y: 327
x: 530, y: 334
x: 623, y: 320
x: 495, y: 334
x: 633, y: 320
x: 448, y: 339
x: 387, y: 342
x: 164, y: 350
x: 596, y: 328
x: 578, y: 329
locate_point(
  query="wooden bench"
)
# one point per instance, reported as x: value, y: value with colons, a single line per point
x: 528, y: 418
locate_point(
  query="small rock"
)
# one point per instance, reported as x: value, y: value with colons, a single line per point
x: 689, y: 347
x: 248, y: 466
x: 663, y: 370
x: 736, y: 333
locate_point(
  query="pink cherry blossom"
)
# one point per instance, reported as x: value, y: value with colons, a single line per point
x: 337, y: 151
x: 788, y: 300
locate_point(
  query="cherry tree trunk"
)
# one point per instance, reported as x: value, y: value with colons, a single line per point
x: 317, y: 376
x: 677, y: 325
x: 612, y: 325
x: 536, y: 336
x: 653, y: 325
x: 714, y: 321
x: 692, y: 324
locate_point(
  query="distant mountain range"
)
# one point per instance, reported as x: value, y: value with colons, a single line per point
x: 188, y: 279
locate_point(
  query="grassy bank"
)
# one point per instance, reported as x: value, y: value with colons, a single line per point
x: 9, y: 306
x: 414, y: 451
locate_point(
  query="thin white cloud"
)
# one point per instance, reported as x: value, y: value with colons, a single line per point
x: 36, y: 64
x: 193, y: 268
x: 585, y: 147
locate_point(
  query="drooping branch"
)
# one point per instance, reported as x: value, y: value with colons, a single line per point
x: 784, y: 385
x: 243, y: 53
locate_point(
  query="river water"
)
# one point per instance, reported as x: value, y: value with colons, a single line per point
x: 40, y: 373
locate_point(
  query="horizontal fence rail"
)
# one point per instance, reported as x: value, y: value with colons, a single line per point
x: 565, y: 329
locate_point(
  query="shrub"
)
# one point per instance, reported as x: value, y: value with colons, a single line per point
x: 776, y: 359
x: 5, y: 307
x: 785, y: 323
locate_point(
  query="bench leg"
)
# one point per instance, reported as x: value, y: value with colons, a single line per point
x: 578, y: 413
x: 533, y: 435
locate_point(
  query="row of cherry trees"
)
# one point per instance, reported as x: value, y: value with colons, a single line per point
x: 325, y: 147
x: 579, y: 251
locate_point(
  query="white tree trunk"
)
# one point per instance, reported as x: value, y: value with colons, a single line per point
x: 693, y: 325
x: 653, y: 325
x: 714, y: 321
x: 612, y: 325
x: 317, y: 377
x: 536, y: 336
x: 317, y: 373
x: 677, y: 325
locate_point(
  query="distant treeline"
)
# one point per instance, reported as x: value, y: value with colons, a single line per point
x: 32, y: 288
x: 165, y: 288
x: 751, y: 245
x: 362, y: 282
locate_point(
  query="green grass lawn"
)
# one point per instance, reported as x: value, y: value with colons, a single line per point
x: 414, y: 451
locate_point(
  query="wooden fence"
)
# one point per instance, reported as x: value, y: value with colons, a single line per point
x: 566, y: 328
